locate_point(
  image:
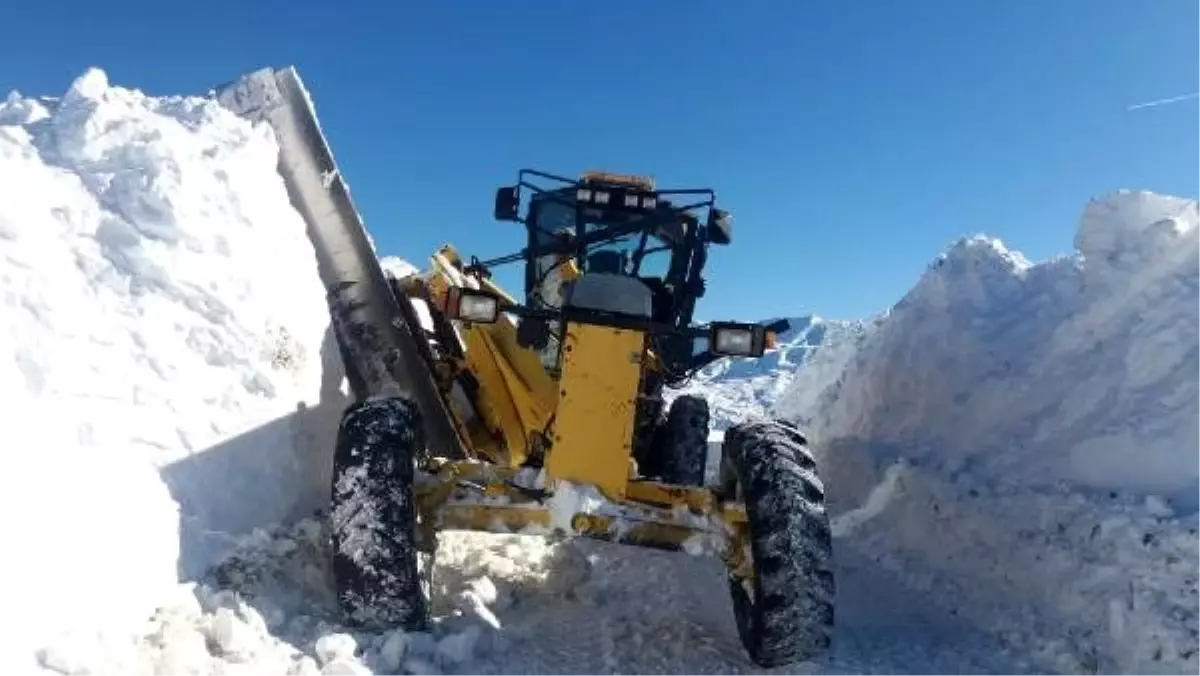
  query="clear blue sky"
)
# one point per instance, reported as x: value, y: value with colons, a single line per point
x: 853, y: 141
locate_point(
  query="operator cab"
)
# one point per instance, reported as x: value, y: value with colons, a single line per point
x: 635, y: 255
x: 614, y: 248
x: 612, y: 224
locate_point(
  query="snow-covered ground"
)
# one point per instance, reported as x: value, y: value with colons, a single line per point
x: 165, y: 354
x: 1010, y: 451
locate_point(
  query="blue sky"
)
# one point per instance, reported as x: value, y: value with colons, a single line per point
x: 853, y: 141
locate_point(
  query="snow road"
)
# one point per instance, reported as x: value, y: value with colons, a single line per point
x: 155, y: 372
x: 651, y: 612
x: 520, y: 605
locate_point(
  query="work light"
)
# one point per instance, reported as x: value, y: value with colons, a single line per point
x: 737, y: 340
x: 472, y: 306
x: 617, y: 198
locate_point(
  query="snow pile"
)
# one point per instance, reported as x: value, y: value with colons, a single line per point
x: 476, y: 576
x: 1042, y: 373
x: 813, y: 348
x: 163, y: 354
x: 269, y: 608
x: 1046, y: 416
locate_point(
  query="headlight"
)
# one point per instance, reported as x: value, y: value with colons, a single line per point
x: 472, y: 306
x: 649, y: 202
x: 737, y: 340
x: 583, y: 195
x: 734, y: 341
x: 631, y: 201
x: 601, y: 197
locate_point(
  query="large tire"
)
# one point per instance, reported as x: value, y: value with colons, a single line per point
x: 376, y: 563
x: 684, y: 450
x: 786, y: 615
x: 674, y: 448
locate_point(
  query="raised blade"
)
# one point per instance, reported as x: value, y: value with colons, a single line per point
x: 376, y: 343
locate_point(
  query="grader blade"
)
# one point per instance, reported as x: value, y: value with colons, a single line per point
x: 378, y: 348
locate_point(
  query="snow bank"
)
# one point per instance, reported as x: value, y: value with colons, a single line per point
x: 1046, y: 415
x: 1080, y: 369
x: 164, y: 363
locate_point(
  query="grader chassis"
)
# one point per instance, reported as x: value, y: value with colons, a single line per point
x: 476, y: 411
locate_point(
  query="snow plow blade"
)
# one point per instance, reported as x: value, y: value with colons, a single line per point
x: 378, y: 349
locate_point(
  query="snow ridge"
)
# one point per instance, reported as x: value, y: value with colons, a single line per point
x: 164, y: 334
x: 1046, y: 415
x: 1036, y: 374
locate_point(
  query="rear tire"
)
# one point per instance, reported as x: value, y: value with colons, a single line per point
x: 686, y: 435
x: 376, y: 563
x: 787, y: 614
x: 680, y: 448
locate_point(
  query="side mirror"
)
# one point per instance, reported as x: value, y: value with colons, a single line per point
x: 507, y: 202
x: 720, y: 226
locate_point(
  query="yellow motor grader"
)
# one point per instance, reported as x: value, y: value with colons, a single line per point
x: 545, y: 414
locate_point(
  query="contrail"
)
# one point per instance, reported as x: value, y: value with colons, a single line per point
x: 1163, y: 102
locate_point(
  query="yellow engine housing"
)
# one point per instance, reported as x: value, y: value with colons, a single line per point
x: 597, y: 403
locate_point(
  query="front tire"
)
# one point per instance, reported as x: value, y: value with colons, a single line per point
x: 376, y: 562
x: 785, y: 614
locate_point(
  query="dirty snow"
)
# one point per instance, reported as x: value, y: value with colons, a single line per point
x: 171, y: 402
x: 513, y: 605
x: 570, y: 499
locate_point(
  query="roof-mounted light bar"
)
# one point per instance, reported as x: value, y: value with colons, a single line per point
x: 628, y: 200
x: 644, y: 183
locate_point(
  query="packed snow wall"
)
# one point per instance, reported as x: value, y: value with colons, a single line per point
x: 1044, y: 418
x: 1043, y: 373
x: 167, y: 373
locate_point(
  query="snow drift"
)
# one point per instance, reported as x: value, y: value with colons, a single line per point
x: 1045, y: 415
x: 1043, y: 373
x: 165, y: 362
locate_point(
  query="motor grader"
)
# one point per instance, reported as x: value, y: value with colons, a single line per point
x: 546, y: 414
